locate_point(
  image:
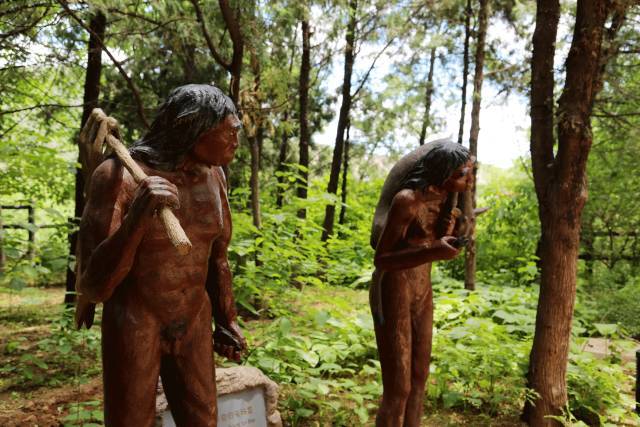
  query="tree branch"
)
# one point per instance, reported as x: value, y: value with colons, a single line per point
x: 373, y: 64
x: 35, y: 107
x: 200, y: 18
x: 123, y: 73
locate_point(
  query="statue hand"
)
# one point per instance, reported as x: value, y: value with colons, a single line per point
x: 452, y: 219
x: 229, y: 341
x: 152, y: 193
x: 445, y: 249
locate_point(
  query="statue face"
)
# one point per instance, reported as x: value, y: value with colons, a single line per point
x: 217, y: 146
x: 461, y: 179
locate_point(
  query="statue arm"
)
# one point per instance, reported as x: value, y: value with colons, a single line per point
x: 219, y: 285
x: 228, y: 338
x: 391, y: 255
x: 108, y: 244
x: 110, y: 239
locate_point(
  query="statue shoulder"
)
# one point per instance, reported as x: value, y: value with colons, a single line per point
x: 405, y: 199
x: 218, y: 174
x: 108, y: 174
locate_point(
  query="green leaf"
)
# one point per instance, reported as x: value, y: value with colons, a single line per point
x: 606, y: 329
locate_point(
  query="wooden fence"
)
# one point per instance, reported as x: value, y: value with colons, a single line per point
x: 31, y: 228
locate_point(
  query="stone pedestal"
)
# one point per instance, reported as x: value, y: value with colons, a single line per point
x: 246, y: 398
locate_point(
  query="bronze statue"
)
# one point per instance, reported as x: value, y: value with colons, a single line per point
x: 413, y: 226
x: 158, y: 305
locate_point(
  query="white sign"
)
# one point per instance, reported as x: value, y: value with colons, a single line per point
x: 243, y: 409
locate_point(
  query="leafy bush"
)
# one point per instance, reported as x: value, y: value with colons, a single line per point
x: 594, y: 387
x: 622, y: 307
x: 52, y: 359
x: 326, y: 360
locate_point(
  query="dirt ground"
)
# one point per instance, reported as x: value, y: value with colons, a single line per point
x: 45, y: 406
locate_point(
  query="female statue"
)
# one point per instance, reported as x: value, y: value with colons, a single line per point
x: 413, y: 227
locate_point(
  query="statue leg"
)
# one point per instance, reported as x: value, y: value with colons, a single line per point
x: 188, y: 375
x: 422, y: 329
x: 394, y: 349
x: 131, y: 364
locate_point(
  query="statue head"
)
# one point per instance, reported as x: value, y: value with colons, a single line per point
x: 188, y: 112
x: 436, y: 166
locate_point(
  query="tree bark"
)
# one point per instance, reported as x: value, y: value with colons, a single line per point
x: 349, y: 56
x: 560, y: 182
x: 255, y: 141
x: 90, y: 101
x: 465, y: 68
x: 255, y: 178
x: 284, y: 142
x: 470, y: 196
x: 100, y: 41
x: 305, y: 136
x: 2, y: 256
x: 231, y: 19
x: 282, y: 158
x: 345, y: 178
x: 428, y: 93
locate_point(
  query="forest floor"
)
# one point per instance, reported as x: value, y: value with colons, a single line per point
x: 50, y: 377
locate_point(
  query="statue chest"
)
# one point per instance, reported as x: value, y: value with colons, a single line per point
x: 422, y: 229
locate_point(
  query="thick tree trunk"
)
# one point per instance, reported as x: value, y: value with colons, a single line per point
x: 428, y: 94
x: 345, y: 178
x: 305, y: 135
x: 90, y: 99
x: 465, y: 69
x: 349, y: 56
x: 560, y: 182
x: 470, y: 196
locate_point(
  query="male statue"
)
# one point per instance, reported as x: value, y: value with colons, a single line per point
x: 158, y: 305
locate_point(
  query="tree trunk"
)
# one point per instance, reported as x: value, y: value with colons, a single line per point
x: 234, y: 67
x: 282, y: 158
x: 465, y: 68
x: 231, y: 19
x: 2, y: 256
x: 90, y: 100
x: 470, y: 196
x: 345, y: 175
x: 255, y: 141
x: 428, y: 93
x: 31, y: 218
x: 560, y: 182
x: 305, y: 136
x: 284, y: 142
x: 334, y: 176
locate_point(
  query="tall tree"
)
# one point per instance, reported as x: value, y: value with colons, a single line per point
x: 465, y: 68
x: 470, y: 196
x: 91, y: 96
x: 560, y: 183
x: 285, y: 132
x: 305, y: 135
x: 345, y: 178
x: 255, y: 142
x: 234, y: 65
x: 334, y: 175
x: 428, y: 94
